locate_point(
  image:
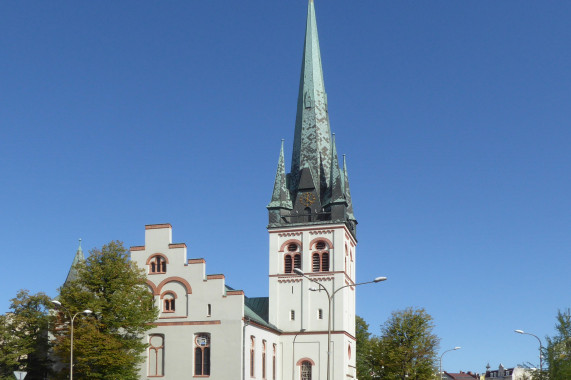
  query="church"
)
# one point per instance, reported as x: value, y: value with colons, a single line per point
x: 207, y: 329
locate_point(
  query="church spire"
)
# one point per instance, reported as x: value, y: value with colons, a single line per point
x: 315, y: 192
x: 312, y: 139
x: 73, y: 270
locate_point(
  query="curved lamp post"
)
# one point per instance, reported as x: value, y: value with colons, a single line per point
x: 452, y: 349
x: 330, y: 297
x: 72, y: 318
x: 540, y: 347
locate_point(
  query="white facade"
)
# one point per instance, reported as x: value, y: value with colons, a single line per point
x: 198, y: 311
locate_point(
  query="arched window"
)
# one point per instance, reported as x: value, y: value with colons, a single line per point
x: 156, y: 355
x: 305, y: 370
x: 320, y: 257
x: 202, y: 355
x: 157, y: 264
x: 169, y: 303
x: 263, y: 359
x: 252, y: 355
x: 297, y: 261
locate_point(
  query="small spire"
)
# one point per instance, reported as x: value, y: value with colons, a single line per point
x: 280, y: 195
x: 79, y: 248
x: 73, y: 271
x: 347, y: 191
x: 336, y: 192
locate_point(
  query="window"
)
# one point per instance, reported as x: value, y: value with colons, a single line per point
x: 320, y: 258
x: 252, y: 355
x: 274, y: 363
x: 202, y: 355
x: 287, y: 264
x: 292, y: 315
x: 169, y: 303
x: 305, y: 370
x: 292, y: 247
x: 320, y: 314
x: 263, y: 359
x: 158, y: 264
x: 209, y: 310
x: 289, y: 259
x: 156, y: 355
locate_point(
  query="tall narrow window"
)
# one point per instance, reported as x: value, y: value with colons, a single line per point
x: 325, y: 262
x: 209, y: 310
x: 315, y: 261
x: 156, y: 355
x: 292, y: 315
x: 263, y: 359
x: 202, y: 355
x: 287, y: 264
x: 320, y: 314
x: 274, y: 363
x: 297, y: 261
x: 252, y: 355
x: 305, y: 370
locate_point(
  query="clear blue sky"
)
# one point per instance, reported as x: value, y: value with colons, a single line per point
x: 454, y: 115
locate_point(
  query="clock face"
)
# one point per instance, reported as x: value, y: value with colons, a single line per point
x: 307, y: 199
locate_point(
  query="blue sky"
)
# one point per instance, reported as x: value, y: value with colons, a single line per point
x: 454, y: 117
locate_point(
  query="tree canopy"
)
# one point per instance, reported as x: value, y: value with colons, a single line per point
x: 406, y: 348
x: 24, y: 343
x: 557, y: 352
x: 107, y: 344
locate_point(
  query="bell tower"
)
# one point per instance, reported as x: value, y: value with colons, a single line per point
x: 312, y: 228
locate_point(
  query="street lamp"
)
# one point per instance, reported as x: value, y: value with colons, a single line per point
x: 452, y: 349
x: 540, y: 347
x: 293, y: 352
x: 72, y: 318
x: 330, y: 297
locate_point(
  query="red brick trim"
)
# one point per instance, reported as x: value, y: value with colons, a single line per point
x: 137, y: 248
x: 305, y: 360
x: 157, y: 254
x: 177, y: 245
x: 186, y: 323
x: 163, y: 294
x: 215, y: 277
x: 196, y: 261
x: 235, y: 293
x: 319, y: 333
x: 288, y: 242
x: 314, y: 241
x: 175, y: 279
x: 157, y: 226
x: 153, y: 288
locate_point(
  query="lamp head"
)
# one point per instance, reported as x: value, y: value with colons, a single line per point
x: 298, y: 271
x: 313, y: 289
x: 519, y: 331
x: 57, y: 303
x: 379, y: 279
x: 87, y: 311
x: 457, y: 347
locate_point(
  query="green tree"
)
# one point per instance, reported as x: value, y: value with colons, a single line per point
x: 363, y: 351
x: 407, y: 347
x: 108, y: 344
x: 557, y: 353
x: 24, y: 343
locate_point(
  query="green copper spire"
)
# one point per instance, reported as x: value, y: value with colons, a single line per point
x: 312, y: 138
x: 79, y: 258
x: 280, y: 196
x: 336, y: 193
x: 347, y: 192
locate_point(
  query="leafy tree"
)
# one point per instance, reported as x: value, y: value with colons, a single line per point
x: 557, y: 353
x: 407, y: 347
x: 108, y: 344
x: 363, y: 353
x: 24, y: 343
